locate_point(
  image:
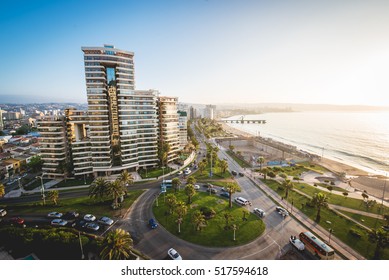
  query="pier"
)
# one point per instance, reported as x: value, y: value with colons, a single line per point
x: 243, y: 120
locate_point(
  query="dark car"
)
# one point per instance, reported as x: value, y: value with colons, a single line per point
x: 17, y: 221
x: 212, y: 190
x: 153, y: 224
x: 233, y: 172
x: 70, y: 215
x: 225, y: 194
x: 241, y: 174
x: 81, y: 224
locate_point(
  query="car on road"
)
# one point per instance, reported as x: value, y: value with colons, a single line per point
x: 282, y: 211
x: 89, y: 218
x: 187, y: 172
x: 259, y: 212
x: 180, y: 172
x: 297, y: 243
x: 70, y: 215
x: 3, y: 212
x: 233, y: 172
x: 241, y: 200
x: 17, y: 221
x: 153, y: 224
x: 174, y: 255
x: 59, y: 222
x: 196, y: 187
x: 241, y: 174
x: 212, y: 190
x: 225, y: 194
x: 105, y: 221
x: 92, y: 226
x: 56, y: 215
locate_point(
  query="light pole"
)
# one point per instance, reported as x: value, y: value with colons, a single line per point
x: 42, y: 188
x: 20, y: 187
x: 82, y: 250
x: 84, y: 179
x: 329, y: 237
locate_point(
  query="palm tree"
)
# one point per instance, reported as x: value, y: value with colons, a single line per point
x: 176, y: 183
x: 202, y: 166
x: 2, y: 190
x: 126, y: 178
x: 319, y: 201
x: 116, y: 245
x: 198, y: 219
x: 115, y: 190
x: 171, y: 202
x: 265, y: 170
x: 181, y: 210
x: 288, y: 185
x: 232, y: 188
x: 190, y: 192
x: 381, y: 238
x: 223, y: 166
x: 98, y: 188
x: 191, y: 180
x: 260, y: 160
x: 53, y: 195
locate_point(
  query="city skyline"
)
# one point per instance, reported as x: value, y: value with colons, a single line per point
x: 203, y: 51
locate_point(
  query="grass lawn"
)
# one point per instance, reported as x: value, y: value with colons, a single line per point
x: 339, y: 224
x: 214, y: 234
x: 238, y: 160
x: 314, y: 167
x: 333, y: 187
x: 294, y: 171
x: 83, y: 205
x: 154, y: 172
x: 365, y: 220
x: 216, y: 173
x: 73, y: 182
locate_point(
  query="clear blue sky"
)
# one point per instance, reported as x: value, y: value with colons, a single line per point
x: 333, y: 52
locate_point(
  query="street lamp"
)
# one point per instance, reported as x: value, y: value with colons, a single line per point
x: 329, y: 237
x: 42, y: 188
x: 82, y: 250
x: 20, y: 187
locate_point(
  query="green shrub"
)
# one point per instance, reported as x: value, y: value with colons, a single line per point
x: 356, y: 233
x: 271, y: 174
x: 333, y: 183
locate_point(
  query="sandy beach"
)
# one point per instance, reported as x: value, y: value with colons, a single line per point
x: 360, y: 179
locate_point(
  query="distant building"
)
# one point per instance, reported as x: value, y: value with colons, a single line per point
x: 192, y: 113
x: 209, y: 112
x: 183, y: 129
x: 1, y: 120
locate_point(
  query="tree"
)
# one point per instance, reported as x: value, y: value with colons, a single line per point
x: 53, y: 195
x: 232, y: 188
x: 330, y: 188
x: 319, y: 201
x: 260, y: 161
x: 264, y: 171
x: 98, y: 188
x: 181, y: 210
x: 116, y: 245
x: 190, y: 192
x: 176, y: 183
x: 283, y: 175
x: 171, y: 202
x: 191, y: 180
x: 115, y: 190
x: 126, y: 178
x: 231, y: 147
x: 202, y: 166
x: 245, y: 213
x: 198, y: 219
x: 2, y: 190
x: 381, y: 238
x: 223, y: 166
x: 288, y: 185
x: 345, y: 194
x: 35, y: 163
x: 365, y: 196
x: 228, y: 217
x: 163, y: 152
x: 386, y: 218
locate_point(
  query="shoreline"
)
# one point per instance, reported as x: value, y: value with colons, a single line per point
x: 360, y: 179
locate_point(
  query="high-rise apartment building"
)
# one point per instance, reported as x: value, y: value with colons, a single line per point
x: 183, y: 129
x: 209, y: 112
x: 168, y: 125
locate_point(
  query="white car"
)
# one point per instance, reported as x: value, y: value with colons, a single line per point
x: 89, y: 218
x: 196, y: 187
x: 241, y: 201
x: 282, y: 211
x: 174, y: 254
x: 297, y: 243
x: 59, y: 222
x: 180, y: 172
x: 105, y: 221
x: 3, y: 212
x: 187, y: 172
x: 259, y: 212
x: 54, y: 215
x: 92, y: 226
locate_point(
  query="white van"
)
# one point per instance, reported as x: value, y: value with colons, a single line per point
x: 241, y: 200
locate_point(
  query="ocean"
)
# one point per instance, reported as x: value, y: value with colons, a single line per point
x: 359, y: 139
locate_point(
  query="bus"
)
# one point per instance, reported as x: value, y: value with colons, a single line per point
x: 317, y: 247
x: 166, y: 183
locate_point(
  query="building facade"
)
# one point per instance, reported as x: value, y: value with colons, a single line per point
x: 183, y: 129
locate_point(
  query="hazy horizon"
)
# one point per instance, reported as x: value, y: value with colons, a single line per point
x: 327, y: 52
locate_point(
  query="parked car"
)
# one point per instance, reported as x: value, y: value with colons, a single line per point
x: 80, y: 224
x: 196, y: 187
x: 3, y: 212
x: 282, y: 211
x: 187, y: 172
x: 297, y: 243
x: 89, y: 218
x: 58, y: 222
x: 174, y: 255
x: 241, y: 174
x: 233, y: 172
x: 225, y: 194
x: 386, y: 228
x: 153, y: 224
x: 180, y: 172
x: 241, y: 200
x: 259, y: 212
x: 212, y: 190
x: 55, y: 215
x: 70, y: 215
x: 92, y: 226
x: 105, y: 221
x: 17, y: 221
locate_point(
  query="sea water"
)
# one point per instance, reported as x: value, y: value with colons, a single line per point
x: 360, y: 139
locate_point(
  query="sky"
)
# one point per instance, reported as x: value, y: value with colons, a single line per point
x: 203, y: 51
